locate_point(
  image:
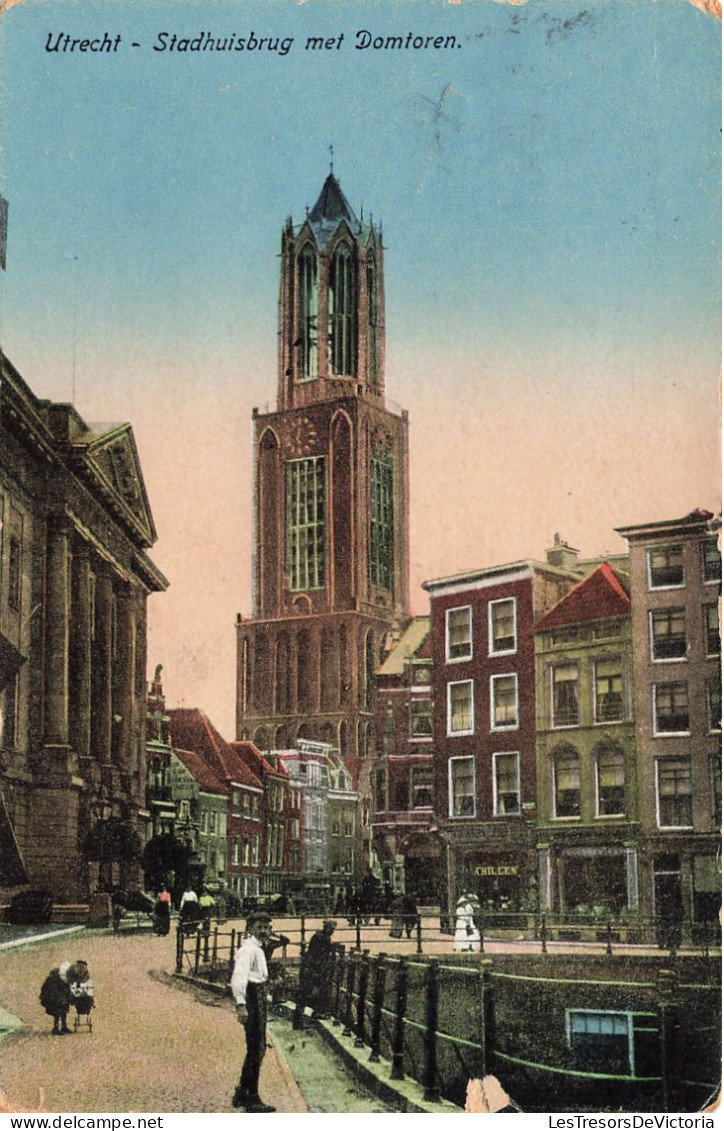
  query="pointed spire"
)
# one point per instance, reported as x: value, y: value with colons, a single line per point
x: 332, y: 205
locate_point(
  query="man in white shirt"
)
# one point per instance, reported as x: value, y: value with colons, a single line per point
x: 248, y: 987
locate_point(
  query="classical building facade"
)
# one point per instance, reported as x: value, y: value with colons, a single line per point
x: 404, y: 824
x: 330, y: 570
x: 74, y: 581
x: 675, y: 584
x: 586, y: 746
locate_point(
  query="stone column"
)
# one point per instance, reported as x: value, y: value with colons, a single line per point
x: 57, y: 608
x: 124, y: 672
x: 104, y: 667
x: 80, y: 651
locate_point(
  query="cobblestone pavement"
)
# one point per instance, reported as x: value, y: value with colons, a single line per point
x: 154, y: 1047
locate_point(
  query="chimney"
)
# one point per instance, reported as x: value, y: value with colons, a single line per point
x: 562, y: 555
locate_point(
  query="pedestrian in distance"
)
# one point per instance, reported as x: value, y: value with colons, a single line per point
x: 467, y: 935
x: 248, y: 988
x: 188, y: 910
x: 316, y: 975
x: 55, y: 994
x: 409, y: 914
x: 206, y: 910
x: 162, y: 912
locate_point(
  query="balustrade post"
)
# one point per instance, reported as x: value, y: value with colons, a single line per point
x: 298, y: 1019
x: 418, y: 929
x: 543, y: 935
x: 378, y: 1002
x: 609, y: 937
x: 398, y: 1042
x: 432, y: 1090
x: 666, y: 986
x: 179, y: 950
x: 337, y: 982
x: 197, y: 957
x: 358, y: 932
x: 303, y: 936
x: 487, y: 1020
x: 348, y: 1017
x: 232, y: 948
x: 214, y: 949
x: 364, y: 974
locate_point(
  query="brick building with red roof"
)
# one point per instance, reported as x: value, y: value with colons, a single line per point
x: 245, y: 823
x: 283, y: 822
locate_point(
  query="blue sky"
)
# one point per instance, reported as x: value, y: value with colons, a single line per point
x: 549, y: 193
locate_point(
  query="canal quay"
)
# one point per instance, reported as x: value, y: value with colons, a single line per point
x: 411, y: 1022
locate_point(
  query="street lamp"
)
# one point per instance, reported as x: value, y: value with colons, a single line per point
x: 103, y: 812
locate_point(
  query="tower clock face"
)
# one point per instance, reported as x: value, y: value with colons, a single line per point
x: 422, y: 675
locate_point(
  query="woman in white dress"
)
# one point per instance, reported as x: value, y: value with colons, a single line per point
x: 467, y: 935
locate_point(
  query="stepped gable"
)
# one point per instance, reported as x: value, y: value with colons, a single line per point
x: 256, y: 761
x: 597, y: 597
x: 200, y: 771
x: 191, y: 728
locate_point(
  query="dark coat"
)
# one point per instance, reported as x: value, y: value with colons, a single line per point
x: 55, y: 994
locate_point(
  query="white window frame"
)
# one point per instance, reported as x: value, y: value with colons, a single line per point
x: 429, y: 769
x: 471, y: 730
x: 673, y: 758
x: 657, y: 549
x: 654, y: 720
x: 505, y: 726
x: 596, y: 768
x: 469, y: 654
x: 708, y: 609
x: 574, y: 665
x: 506, y: 754
x: 667, y: 659
x: 606, y: 1013
x: 491, y: 639
x: 709, y: 580
x: 450, y: 794
x: 624, y: 691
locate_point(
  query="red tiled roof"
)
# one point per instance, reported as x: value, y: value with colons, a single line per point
x: 256, y: 761
x: 596, y: 597
x: 191, y: 728
x: 200, y: 771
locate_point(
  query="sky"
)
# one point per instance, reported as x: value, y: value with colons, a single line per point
x: 549, y: 193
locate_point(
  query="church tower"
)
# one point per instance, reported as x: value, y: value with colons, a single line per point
x: 330, y: 571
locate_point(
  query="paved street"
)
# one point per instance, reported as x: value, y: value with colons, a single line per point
x: 154, y: 1047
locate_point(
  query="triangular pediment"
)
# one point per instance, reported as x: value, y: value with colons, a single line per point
x: 110, y: 455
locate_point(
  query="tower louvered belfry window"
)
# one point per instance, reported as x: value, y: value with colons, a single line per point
x: 305, y: 522
x: 308, y: 314
x: 342, y: 313
x: 382, y: 529
x: 372, y: 322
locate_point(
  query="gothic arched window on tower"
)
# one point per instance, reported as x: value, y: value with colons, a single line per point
x: 306, y: 503
x: 372, y: 322
x: 381, y: 522
x: 342, y: 336
x: 307, y: 314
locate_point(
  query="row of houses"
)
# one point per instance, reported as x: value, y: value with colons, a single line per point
x: 226, y: 815
x: 550, y: 736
